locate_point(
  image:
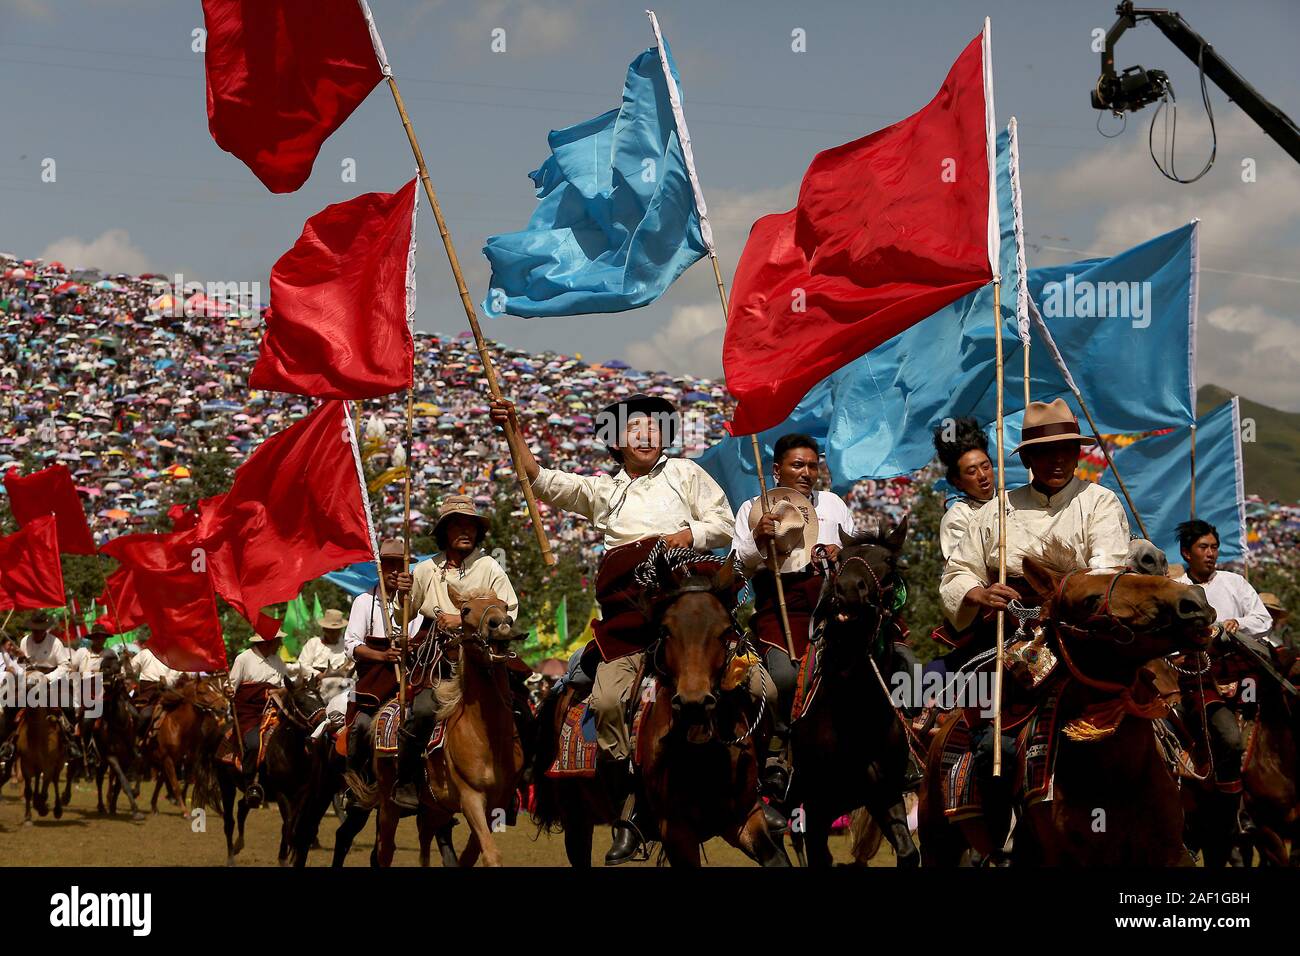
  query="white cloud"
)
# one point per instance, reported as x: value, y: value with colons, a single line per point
x: 111, y: 251
x: 690, y: 342
x: 531, y: 28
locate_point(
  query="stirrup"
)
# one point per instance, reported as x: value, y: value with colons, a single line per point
x: 253, y: 796
x: 407, y: 796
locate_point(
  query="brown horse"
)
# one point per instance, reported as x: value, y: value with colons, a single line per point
x: 114, y: 741
x: 1114, y: 800
x: 476, y: 770
x: 193, y: 711
x: 850, y: 748
x: 701, y: 745
x: 41, y: 754
x: 1271, y: 774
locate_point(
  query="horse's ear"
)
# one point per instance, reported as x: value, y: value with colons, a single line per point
x: 894, y: 542
x: 1041, y: 578
x: 456, y: 600
x: 726, y: 576
x: 847, y: 540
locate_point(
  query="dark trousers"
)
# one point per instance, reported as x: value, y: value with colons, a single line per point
x: 415, y: 734
x: 784, y: 672
x: 359, y: 744
x: 251, y: 747
x: 1226, y: 745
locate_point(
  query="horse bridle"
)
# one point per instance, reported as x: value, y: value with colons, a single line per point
x: 1102, y: 614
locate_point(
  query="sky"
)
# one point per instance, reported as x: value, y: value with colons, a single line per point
x: 113, y: 93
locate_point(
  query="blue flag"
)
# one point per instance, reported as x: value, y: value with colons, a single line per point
x: 1158, y: 474
x: 617, y: 219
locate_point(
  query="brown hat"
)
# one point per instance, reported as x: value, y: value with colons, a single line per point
x: 796, y: 526
x: 332, y: 620
x: 454, y: 505
x: 1047, y: 422
x: 392, y: 548
x: 39, y: 621
x: 1272, y: 603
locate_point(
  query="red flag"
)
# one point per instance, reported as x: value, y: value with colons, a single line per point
x: 341, y: 299
x: 47, y: 492
x: 173, y: 591
x: 121, y: 600
x: 182, y: 518
x: 888, y: 230
x: 293, y: 513
x: 30, y: 573
x: 282, y: 76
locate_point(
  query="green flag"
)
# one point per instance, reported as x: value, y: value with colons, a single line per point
x: 295, y: 622
x: 562, y: 621
x: 316, y: 612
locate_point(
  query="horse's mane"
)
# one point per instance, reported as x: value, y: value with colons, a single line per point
x: 1056, y: 556
x: 448, y: 693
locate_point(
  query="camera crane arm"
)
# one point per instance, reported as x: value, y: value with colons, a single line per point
x: 1135, y: 88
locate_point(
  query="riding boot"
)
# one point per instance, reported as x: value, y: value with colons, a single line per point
x: 70, y: 738
x: 914, y: 775
x: 406, y: 794
x: 627, y: 836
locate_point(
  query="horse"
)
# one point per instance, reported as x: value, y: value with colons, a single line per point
x: 1270, y: 776
x: 41, y: 753
x: 476, y: 769
x: 284, y: 771
x: 193, y: 712
x: 574, y: 805
x: 1114, y: 799
x: 113, y: 739
x: 700, y: 747
x: 850, y: 748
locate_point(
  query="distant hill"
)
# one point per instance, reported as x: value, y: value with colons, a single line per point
x: 1273, y: 459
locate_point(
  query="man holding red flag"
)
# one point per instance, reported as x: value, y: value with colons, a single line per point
x: 888, y: 229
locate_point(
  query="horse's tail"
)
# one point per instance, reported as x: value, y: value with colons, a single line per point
x: 864, y: 836
x: 366, y: 794
x: 546, y: 790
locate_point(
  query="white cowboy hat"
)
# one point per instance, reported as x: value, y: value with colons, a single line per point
x: 796, y: 526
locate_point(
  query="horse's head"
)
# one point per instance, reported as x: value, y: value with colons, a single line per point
x: 485, y: 623
x: 1145, y: 558
x: 693, y: 611
x: 1117, y: 620
x: 867, y: 585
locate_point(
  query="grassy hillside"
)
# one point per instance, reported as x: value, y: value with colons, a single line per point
x: 1273, y: 458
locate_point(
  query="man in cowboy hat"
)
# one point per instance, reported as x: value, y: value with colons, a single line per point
x: 327, y: 652
x: 801, y: 517
x: 650, y: 497
x: 368, y: 641
x: 460, y: 563
x: 1082, y: 516
x: 42, y: 649
x: 254, y: 674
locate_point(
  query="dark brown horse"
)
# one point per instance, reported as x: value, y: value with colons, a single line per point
x: 1114, y: 799
x: 114, y: 741
x: 476, y: 770
x: 850, y: 748
x: 192, y: 711
x: 575, y: 805
x: 702, y: 741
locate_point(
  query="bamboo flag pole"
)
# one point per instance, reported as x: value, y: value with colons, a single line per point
x: 513, y: 439
x: 773, y: 563
x: 1193, y: 514
x: 406, y: 545
x: 1002, y: 538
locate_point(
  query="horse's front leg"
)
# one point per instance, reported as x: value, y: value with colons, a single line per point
x: 473, y: 805
x: 681, y: 845
x: 27, y: 800
x: 817, y: 831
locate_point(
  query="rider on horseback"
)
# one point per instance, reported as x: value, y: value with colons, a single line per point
x: 651, y: 497
x: 1241, y: 613
x: 255, y: 673
x: 460, y: 563
x: 1087, y: 519
x: 795, y: 465
x: 46, y: 654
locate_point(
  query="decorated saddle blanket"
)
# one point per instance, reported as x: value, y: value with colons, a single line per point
x: 645, y: 692
x: 388, y: 724
x: 956, y: 766
x: 1036, y: 745
x: 575, y: 754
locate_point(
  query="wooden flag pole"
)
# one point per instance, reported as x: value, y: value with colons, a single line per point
x: 513, y: 438
x: 406, y: 546
x: 773, y: 564
x: 1110, y: 463
x: 1193, y: 514
x: 1002, y: 539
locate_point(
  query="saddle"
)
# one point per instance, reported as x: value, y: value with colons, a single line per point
x: 575, y: 754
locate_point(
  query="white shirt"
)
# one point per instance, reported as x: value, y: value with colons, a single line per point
x: 366, y: 619
x: 250, y: 667
x: 676, y: 494
x: 316, y: 655
x: 432, y: 579
x: 832, y: 516
x: 92, y: 663
x: 956, y: 522
x: 49, y: 652
x: 1233, y: 598
x: 149, y: 667
x: 1083, y: 516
